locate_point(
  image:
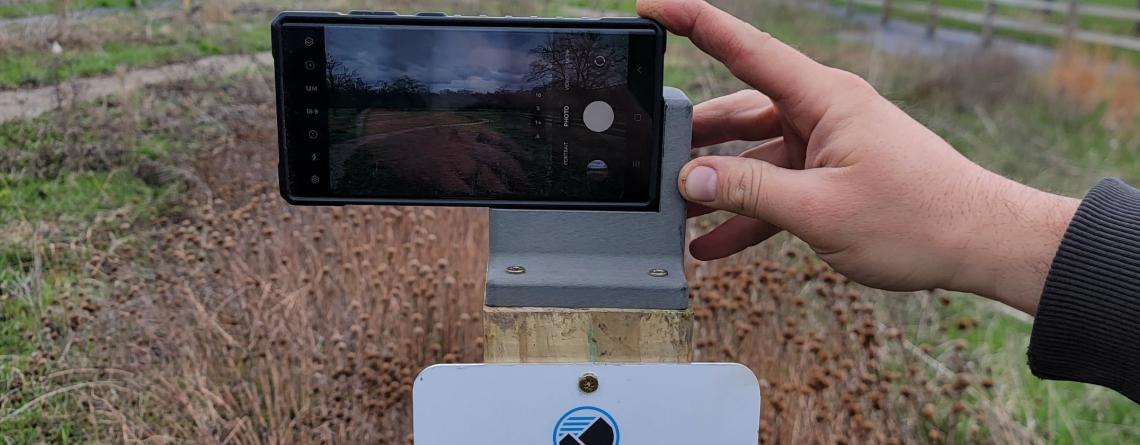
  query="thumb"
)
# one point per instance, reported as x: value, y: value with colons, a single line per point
x: 753, y: 188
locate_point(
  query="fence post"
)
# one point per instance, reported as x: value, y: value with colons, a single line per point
x: 851, y: 9
x: 1073, y: 20
x: 932, y: 19
x: 886, y: 18
x: 988, y: 24
x: 63, y: 13
x: 1136, y: 29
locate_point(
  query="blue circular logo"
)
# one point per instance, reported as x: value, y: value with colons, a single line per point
x: 586, y: 425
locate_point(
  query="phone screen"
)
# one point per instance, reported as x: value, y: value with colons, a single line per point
x: 464, y: 112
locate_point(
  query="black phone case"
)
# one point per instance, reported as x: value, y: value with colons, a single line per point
x: 441, y: 19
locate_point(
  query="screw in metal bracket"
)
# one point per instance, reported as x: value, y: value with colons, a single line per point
x: 516, y: 270
x: 658, y: 272
x: 588, y: 383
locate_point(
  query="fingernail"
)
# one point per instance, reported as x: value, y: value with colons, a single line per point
x: 700, y: 184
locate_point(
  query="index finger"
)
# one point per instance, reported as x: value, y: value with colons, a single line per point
x: 769, y: 65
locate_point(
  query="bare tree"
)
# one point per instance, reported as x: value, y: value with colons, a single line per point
x: 333, y: 72
x: 582, y: 61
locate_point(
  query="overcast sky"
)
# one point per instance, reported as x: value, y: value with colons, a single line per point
x: 445, y: 59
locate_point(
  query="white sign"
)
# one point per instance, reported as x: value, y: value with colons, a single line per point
x: 548, y: 404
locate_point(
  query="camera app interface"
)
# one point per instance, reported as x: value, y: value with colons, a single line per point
x: 490, y: 113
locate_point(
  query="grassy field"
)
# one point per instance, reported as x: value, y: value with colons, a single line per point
x: 105, y: 44
x: 77, y: 187
x: 24, y: 8
x: 154, y: 287
x: 42, y: 68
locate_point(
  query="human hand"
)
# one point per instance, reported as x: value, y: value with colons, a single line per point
x: 876, y: 194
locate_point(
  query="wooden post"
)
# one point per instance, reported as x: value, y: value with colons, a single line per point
x: 932, y: 19
x: 988, y: 24
x: 886, y: 18
x: 556, y: 335
x: 1073, y: 19
x: 63, y: 14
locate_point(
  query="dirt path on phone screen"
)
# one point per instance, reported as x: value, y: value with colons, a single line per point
x: 29, y: 103
x: 374, y: 127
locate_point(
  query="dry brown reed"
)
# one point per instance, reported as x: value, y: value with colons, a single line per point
x: 832, y: 368
x: 257, y: 322
x: 1091, y: 78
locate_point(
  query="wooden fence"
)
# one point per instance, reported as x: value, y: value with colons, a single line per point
x: 989, y: 20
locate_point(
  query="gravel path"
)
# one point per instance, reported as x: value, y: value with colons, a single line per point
x: 902, y: 37
x: 83, y: 14
x: 908, y: 38
x: 21, y: 104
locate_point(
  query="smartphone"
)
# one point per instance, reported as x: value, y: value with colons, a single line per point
x: 504, y: 112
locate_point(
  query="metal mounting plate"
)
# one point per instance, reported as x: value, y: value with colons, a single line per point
x: 598, y: 259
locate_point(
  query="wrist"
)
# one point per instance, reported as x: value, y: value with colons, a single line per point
x: 1010, y: 244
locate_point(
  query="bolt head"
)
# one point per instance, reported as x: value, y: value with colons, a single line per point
x: 588, y: 383
x: 516, y: 270
x: 658, y: 272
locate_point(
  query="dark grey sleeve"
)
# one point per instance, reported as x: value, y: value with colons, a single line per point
x: 1088, y: 322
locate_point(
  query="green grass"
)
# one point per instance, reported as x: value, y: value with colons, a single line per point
x: 1061, y: 152
x: 73, y: 198
x: 41, y: 68
x: 21, y: 318
x: 1068, y: 412
x: 29, y: 136
x: 24, y: 8
x: 69, y: 202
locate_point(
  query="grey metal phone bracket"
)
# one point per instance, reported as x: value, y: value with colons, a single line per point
x: 598, y: 259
